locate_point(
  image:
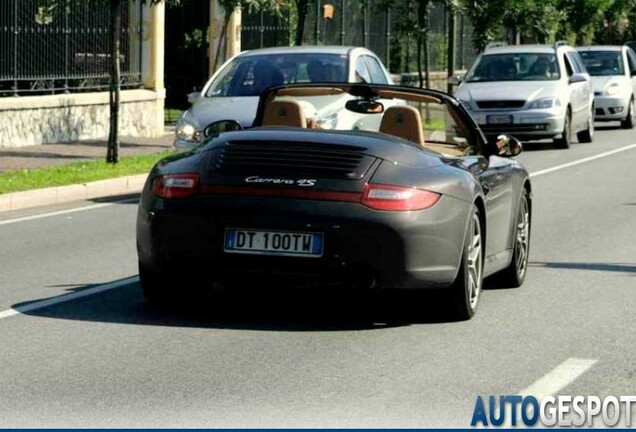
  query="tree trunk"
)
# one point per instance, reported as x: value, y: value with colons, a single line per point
x: 301, y: 8
x: 451, y: 45
x: 112, y: 154
x: 222, y: 37
x: 427, y: 55
x: 422, y: 36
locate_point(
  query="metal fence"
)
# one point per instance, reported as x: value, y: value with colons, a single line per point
x: 52, y: 46
x: 260, y: 30
x: 364, y: 23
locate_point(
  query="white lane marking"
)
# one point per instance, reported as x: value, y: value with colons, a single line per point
x: 581, y: 161
x: 63, y: 212
x: 549, y: 385
x: 559, y: 378
x: 67, y: 297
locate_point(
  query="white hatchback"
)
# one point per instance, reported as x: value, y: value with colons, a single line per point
x: 613, y: 72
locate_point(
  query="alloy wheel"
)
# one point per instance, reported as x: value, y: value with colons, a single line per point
x: 475, y: 263
x: 522, y: 240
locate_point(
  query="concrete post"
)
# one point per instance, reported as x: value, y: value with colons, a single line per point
x: 152, y: 49
x: 233, y: 35
x: 152, y: 53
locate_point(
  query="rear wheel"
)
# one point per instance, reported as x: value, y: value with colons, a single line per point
x: 154, y: 286
x: 466, y: 288
x: 514, y: 275
x: 628, y: 122
x: 587, y: 135
x: 566, y: 135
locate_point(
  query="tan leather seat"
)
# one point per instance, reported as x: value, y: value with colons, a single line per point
x: 284, y: 113
x: 405, y: 122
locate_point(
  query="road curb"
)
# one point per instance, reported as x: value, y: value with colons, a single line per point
x: 76, y: 192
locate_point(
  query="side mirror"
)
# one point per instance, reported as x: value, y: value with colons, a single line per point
x: 193, y: 97
x: 364, y: 106
x: 508, y: 146
x: 455, y: 80
x: 220, y: 126
x: 577, y: 78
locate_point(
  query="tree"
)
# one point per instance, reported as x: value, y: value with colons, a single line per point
x: 301, y: 16
x: 114, y: 92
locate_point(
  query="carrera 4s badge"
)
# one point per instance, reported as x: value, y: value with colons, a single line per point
x: 282, y: 181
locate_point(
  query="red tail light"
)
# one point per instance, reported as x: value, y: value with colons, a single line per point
x: 397, y: 198
x: 175, y: 185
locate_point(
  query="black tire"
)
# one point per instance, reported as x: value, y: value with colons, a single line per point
x: 587, y: 135
x: 466, y: 289
x: 154, y: 286
x: 629, y: 121
x: 515, y: 274
x: 566, y: 136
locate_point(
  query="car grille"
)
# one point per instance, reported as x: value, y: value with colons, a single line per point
x: 499, y: 104
x: 292, y: 158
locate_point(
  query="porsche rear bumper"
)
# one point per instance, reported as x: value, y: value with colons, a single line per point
x: 418, y: 249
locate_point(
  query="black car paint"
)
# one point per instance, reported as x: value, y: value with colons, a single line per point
x: 491, y: 182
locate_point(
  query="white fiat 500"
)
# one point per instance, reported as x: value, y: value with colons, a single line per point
x: 613, y: 72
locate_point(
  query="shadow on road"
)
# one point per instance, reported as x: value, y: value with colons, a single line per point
x: 603, y: 267
x: 266, y: 310
x: 607, y: 127
x: 120, y: 199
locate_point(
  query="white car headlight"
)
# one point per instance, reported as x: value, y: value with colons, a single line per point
x: 186, y: 131
x: 545, y: 103
x: 612, y: 90
x: 327, y: 122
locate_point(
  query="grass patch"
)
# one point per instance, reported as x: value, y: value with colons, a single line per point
x: 171, y: 115
x: 435, y: 124
x: 77, y: 172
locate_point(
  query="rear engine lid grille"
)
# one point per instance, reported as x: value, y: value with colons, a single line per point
x: 500, y: 104
x: 329, y: 161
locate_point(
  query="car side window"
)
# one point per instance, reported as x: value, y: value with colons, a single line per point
x: 578, y: 62
x: 444, y: 129
x: 377, y: 74
x: 631, y: 58
x: 569, y: 69
x: 362, y: 73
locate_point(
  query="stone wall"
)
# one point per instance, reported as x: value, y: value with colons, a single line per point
x: 31, y: 120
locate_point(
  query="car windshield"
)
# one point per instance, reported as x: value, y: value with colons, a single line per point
x: 422, y: 118
x: 603, y: 63
x: 515, y: 67
x: 250, y: 75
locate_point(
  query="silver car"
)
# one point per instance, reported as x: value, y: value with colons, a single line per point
x: 613, y: 72
x: 531, y: 92
x: 233, y: 91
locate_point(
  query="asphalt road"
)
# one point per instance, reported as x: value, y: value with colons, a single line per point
x: 300, y: 359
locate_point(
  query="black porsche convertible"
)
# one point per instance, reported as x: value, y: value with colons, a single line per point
x: 360, y: 185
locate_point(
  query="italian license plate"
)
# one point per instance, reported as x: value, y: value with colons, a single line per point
x: 261, y: 242
x: 499, y: 119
